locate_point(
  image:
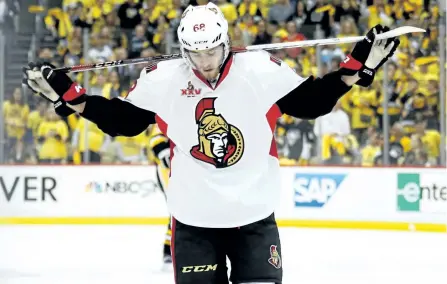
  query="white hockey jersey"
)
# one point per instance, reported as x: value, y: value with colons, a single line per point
x: 224, y: 166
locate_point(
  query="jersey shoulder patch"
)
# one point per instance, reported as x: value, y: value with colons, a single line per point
x: 275, y: 60
x: 151, y: 67
x: 260, y: 63
x: 152, y: 91
x: 161, y: 70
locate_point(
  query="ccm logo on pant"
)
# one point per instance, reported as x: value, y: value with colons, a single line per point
x: 199, y: 268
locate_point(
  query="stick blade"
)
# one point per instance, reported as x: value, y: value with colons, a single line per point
x: 400, y: 31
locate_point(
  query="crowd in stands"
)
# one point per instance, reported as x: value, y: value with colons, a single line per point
x: 352, y: 134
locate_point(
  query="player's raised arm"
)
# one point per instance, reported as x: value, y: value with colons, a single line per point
x: 315, y: 97
x: 114, y: 117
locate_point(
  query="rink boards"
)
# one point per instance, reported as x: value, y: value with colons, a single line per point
x: 327, y: 197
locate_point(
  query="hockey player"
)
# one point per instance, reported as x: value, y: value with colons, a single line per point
x: 160, y: 151
x: 219, y: 111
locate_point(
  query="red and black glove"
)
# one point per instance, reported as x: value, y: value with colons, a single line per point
x: 369, y: 55
x: 54, y: 86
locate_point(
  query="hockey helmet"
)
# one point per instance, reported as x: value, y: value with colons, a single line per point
x: 201, y: 28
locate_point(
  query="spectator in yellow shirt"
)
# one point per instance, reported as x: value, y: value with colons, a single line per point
x: 394, y: 92
x: 363, y: 104
x: 332, y: 131
x: 370, y: 151
x: 249, y: 7
x: 131, y: 150
x: 414, y: 106
x: 248, y: 27
x: 59, y: 22
x: 239, y: 38
x: 379, y: 13
x: 430, y: 140
x: 348, y: 29
x: 15, y: 113
x: 94, y: 141
x: 433, y: 105
x: 423, y: 71
x: 158, y: 38
x: 73, y: 54
x: 52, y: 136
x: 35, y: 118
x: 229, y: 10
x: 113, y: 89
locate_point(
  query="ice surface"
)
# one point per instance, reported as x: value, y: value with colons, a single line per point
x: 132, y: 254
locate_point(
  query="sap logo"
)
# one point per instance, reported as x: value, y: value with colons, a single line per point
x: 315, y: 190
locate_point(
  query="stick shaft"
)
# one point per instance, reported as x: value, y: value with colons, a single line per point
x: 116, y: 63
x: 330, y: 41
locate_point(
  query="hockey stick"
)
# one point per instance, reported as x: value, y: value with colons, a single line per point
x: 305, y: 43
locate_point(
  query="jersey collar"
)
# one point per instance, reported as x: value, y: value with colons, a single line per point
x: 222, y: 74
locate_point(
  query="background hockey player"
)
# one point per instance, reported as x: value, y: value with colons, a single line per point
x: 160, y: 152
x: 219, y: 110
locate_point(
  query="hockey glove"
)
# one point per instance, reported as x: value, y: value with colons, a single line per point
x: 53, y: 86
x: 369, y: 55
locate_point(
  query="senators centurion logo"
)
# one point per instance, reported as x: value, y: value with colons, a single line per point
x: 220, y: 143
x: 275, y: 258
